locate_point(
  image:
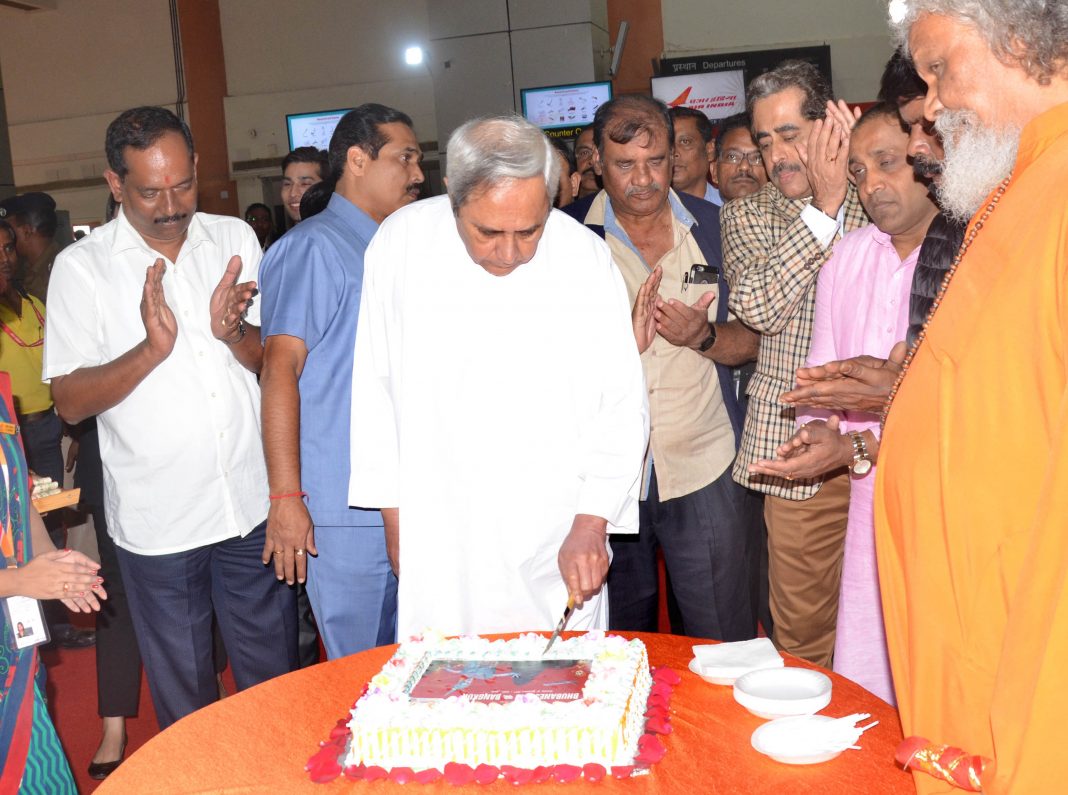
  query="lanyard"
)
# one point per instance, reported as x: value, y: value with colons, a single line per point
x: 18, y: 340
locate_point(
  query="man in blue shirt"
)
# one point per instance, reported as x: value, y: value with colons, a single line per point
x: 311, y: 282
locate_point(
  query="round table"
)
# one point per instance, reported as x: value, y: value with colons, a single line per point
x: 260, y: 739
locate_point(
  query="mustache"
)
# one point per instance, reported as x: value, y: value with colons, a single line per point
x: 925, y: 167
x: 779, y: 168
x: 413, y: 187
x: 170, y: 219
x: 652, y: 186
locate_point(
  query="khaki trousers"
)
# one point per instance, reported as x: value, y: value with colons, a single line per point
x: 805, y: 543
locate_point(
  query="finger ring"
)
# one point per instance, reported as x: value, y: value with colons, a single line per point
x: 278, y: 552
x: 299, y: 552
x: 789, y: 477
x: 66, y: 587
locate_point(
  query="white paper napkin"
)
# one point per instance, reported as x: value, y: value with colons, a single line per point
x: 735, y: 659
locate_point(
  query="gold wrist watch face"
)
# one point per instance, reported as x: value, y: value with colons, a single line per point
x: 861, y: 461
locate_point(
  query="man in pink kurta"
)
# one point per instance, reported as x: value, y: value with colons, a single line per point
x: 862, y: 307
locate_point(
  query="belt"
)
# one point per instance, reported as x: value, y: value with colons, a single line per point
x: 35, y: 416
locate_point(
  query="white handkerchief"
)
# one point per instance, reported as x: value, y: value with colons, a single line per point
x: 735, y: 659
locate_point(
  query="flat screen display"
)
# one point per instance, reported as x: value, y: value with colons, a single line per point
x: 557, y: 107
x: 313, y: 129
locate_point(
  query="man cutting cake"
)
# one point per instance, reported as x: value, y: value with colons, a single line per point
x: 498, y: 404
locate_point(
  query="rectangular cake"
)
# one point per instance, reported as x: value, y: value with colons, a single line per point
x: 479, y: 702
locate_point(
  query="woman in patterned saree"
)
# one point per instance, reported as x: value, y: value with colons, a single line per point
x: 32, y: 759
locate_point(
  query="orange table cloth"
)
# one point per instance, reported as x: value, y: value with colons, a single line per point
x: 260, y: 739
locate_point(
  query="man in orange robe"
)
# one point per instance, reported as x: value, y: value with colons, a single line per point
x: 972, y: 498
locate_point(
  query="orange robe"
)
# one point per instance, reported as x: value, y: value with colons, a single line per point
x: 971, y: 501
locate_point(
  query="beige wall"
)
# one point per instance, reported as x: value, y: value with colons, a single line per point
x: 69, y: 72
x: 293, y: 57
x: 281, y: 57
x: 856, y: 31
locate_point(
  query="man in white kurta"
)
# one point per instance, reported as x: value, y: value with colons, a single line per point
x: 493, y: 410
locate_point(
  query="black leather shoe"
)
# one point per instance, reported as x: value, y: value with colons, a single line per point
x: 101, y: 770
x: 73, y: 638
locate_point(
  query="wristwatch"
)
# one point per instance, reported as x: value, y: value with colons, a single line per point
x: 861, y: 458
x: 710, y: 340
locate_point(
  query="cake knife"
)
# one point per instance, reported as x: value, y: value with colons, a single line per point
x: 562, y: 623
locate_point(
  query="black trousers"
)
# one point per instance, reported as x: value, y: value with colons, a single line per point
x: 711, y: 545
x: 118, y: 660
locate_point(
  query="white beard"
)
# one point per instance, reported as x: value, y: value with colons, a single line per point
x: 977, y: 158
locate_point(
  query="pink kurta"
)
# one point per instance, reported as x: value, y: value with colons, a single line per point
x: 862, y: 307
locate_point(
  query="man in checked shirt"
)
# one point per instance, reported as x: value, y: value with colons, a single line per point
x: 774, y: 243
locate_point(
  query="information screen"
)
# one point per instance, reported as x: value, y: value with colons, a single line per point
x: 313, y: 129
x: 556, y: 107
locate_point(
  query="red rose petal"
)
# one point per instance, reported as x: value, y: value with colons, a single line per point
x: 566, y: 773
x: 540, y: 774
x: 658, y: 725
x: 402, y: 775
x: 457, y: 774
x: 486, y: 774
x: 325, y: 776
x: 517, y: 775
x: 660, y: 689
x: 593, y: 772
x: 657, y: 702
x: 656, y: 712
x: 623, y: 771
x: 354, y: 772
x: 374, y: 773
x: 428, y: 776
x: 650, y: 750
x: 341, y: 730
x: 667, y: 675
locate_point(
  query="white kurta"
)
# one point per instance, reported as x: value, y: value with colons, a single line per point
x: 492, y: 410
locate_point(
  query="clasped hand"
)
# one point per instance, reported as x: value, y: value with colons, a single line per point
x: 825, y: 157
x: 816, y: 448
x: 63, y: 574
x: 680, y: 324
x: 861, y: 383
x: 229, y: 302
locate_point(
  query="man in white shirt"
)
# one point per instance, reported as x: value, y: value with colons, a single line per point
x: 146, y: 329
x: 498, y: 404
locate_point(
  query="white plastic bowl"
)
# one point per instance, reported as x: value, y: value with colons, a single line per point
x: 712, y: 679
x: 783, y: 740
x: 782, y: 692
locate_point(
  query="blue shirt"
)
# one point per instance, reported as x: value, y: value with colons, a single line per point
x: 310, y: 285
x: 712, y: 195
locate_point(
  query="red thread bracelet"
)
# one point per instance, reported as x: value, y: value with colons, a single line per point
x: 290, y: 494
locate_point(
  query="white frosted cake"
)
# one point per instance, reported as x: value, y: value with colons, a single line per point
x: 476, y: 702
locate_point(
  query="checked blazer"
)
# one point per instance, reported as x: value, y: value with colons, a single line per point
x: 771, y: 260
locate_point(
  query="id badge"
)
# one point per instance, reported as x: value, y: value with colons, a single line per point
x: 25, y: 616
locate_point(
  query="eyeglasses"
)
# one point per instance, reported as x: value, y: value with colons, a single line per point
x: 734, y: 157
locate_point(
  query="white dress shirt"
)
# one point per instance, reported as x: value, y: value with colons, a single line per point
x: 182, y: 454
x: 491, y: 410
